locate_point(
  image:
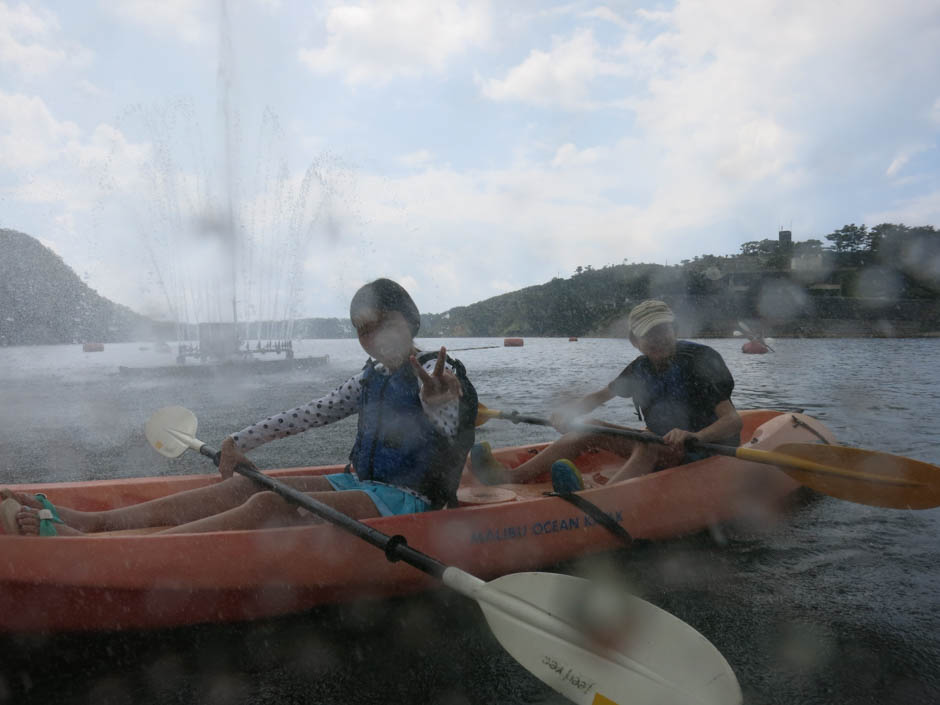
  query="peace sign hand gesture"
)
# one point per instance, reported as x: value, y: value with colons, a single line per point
x: 441, y: 385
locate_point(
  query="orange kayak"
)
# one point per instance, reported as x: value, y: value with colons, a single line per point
x: 755, y: 347
x: 144, y: 580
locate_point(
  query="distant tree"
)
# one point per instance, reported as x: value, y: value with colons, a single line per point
x: 893, y: 237
x: 699, y: 283
x: 760, y: 248
x: 850, y: 238
x: 769, y: 253
x: 808, y: 247
x: 750, y: 248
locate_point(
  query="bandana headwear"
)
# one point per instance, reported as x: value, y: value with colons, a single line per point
x: 647, y: 315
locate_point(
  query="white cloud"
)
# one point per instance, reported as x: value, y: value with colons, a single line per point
x: 188, y: 20
x: 898, y: 163
x: 417, y: 158
x: 29, y: 134
x: 31, y: 42
x: 712, y: 99
x: 491, y: 221
x: 89, y: 89
x: 742, y: 92
x: 562, y: 77
x: 409, y: 282
x: 70, y: 169
x: 731, y: 110
x: 920, y: 210
x: 376, y: 41
x: 607, y: 15
x: 569, y: 155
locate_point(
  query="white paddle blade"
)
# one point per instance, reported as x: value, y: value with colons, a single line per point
x: 172, y: 430
x: 599, y: 647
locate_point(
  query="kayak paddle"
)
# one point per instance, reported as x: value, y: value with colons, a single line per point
x: 595, y: 648
x: 853, y: 474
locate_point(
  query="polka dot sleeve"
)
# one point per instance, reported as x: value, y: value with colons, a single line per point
x: 338, y: 404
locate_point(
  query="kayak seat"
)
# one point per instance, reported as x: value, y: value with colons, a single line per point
x: 473, y: 495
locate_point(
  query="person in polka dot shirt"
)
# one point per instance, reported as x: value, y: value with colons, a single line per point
x: 416, y: 415
x: 338, y: 404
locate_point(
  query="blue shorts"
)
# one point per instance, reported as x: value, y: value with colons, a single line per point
x: 389, y: 500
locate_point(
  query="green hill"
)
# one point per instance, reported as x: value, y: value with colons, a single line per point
x: 587, y: 303
x: 883, y: 281
x: 42, y: 301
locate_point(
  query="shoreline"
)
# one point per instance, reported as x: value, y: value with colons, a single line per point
x: 854, y: 335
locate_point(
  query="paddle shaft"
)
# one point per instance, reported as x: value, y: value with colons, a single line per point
x: 478, y: 347
x: 642, y: 436
x: 755, y: 455
x: 394, y: 547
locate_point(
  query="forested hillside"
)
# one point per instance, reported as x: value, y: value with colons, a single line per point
x: 879, y: 281
x: 43, y: 301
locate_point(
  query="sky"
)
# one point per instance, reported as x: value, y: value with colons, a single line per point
x: 179, y: 154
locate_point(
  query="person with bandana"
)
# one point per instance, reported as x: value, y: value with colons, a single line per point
x: 681, y: 391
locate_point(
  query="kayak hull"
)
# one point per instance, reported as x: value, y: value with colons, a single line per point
x: 127, y: 580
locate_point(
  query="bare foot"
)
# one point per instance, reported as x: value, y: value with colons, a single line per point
x: 27, y: 500
x: 85, y: 522
x: 24, y: 521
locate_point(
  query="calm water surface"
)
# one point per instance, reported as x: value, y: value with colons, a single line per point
x: 839, y: 604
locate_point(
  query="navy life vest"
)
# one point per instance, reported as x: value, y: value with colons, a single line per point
x: 396, y: 443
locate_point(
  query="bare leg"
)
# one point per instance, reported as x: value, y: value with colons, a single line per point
x: 266, y: 510
x: 569, y: 446
x: 642, y: 460
x: 179, y: 508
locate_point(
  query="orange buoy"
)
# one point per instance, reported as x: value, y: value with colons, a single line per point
x: 512, y: 342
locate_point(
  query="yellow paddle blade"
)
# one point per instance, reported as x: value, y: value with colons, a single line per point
x: 484, y: 414
x: 865, y: 476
